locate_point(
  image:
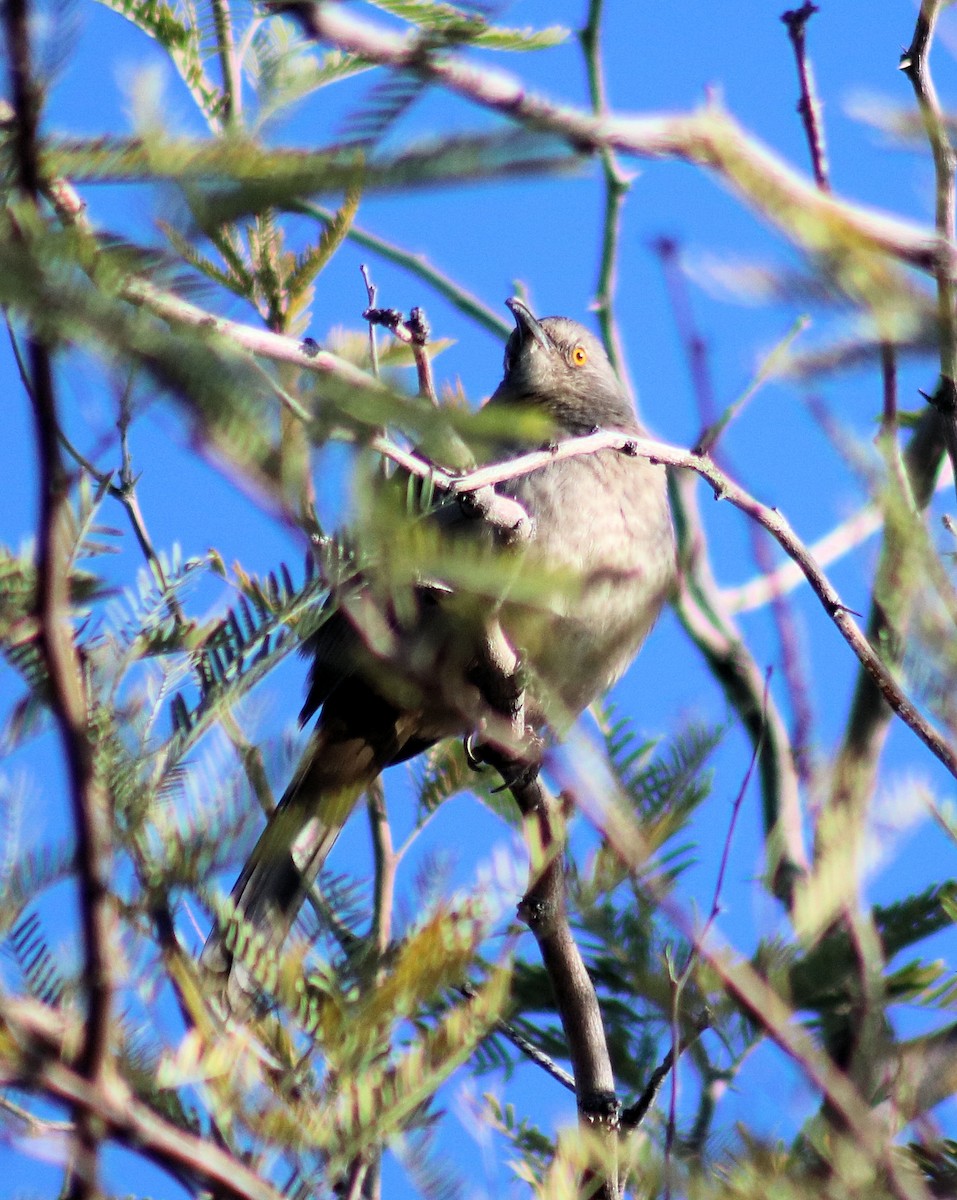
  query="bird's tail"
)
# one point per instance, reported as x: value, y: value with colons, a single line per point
x: 336, y: 767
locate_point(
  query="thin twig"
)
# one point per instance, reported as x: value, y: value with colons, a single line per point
x: 372, y: 293
x: 419, y: 266
x: 915, y: 63
x: 699, y: 602
x: 634, y: 1114
x: 681, y: 981
x: 526, y: 1047
x: 617, y: 184
x: 809, y: 107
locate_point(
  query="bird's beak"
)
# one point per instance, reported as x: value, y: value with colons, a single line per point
x: 528, y: 325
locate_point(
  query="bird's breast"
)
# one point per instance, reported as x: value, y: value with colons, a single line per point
x: 603, y: 520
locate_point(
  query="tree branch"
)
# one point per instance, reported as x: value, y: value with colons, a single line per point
x: 809, y: 107
x: 617, y: 185
x: 33, y: 1055
x: 817, y: 222
x: 68, y: 699
x: 543, y: 908
x: 724, y: 489
x: 915, y: 63
x: 283, y: 349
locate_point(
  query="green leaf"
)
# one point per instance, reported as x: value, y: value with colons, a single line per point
x: 455, y: 25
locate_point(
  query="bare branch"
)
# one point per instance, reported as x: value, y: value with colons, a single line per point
x: 634, y: 1114
x: 915, y: 63
x: 68, y: 698
x: 818, y: 222
x: 617, y: 184
x: 681, y: 981
x: 34, y: 1053
x: 809, y: 107
x: 724, y: 489
x: 372, y: 292
x: 543, y: 908
x: 524, y: 1046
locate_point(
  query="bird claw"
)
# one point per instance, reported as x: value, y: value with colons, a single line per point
x: 472, y: 755
x: 516, y: 772
x: 521, y: 776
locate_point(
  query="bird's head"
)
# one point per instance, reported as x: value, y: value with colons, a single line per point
x: 559, y: 366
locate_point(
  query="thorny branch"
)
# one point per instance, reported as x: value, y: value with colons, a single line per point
x: 706, y: 620
x: 724, y: 489
x: 915, y: 63
x: 895, y: 585
x: 55, y: 635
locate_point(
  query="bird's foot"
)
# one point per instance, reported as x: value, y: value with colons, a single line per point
x: 518, y: 766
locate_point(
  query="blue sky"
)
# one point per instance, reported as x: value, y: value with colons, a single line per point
x: 544, y: 233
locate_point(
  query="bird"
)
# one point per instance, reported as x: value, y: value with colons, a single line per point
x: 600, y: 520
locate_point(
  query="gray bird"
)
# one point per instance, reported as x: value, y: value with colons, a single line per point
x: 602, y: 520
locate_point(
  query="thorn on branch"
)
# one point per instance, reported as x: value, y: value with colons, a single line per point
x: 944, y: 397
x: 837, y: 610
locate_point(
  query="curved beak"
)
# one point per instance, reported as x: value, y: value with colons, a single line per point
x: 528, y: 325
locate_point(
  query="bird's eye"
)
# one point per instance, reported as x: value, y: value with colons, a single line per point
x: 579, y: 356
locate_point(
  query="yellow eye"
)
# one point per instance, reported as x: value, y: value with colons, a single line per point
x: 579, y: 356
